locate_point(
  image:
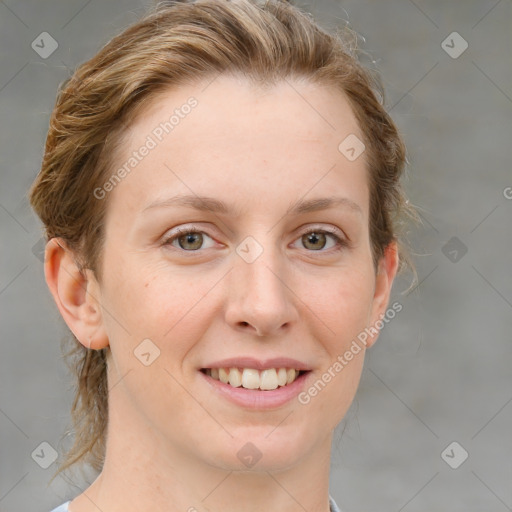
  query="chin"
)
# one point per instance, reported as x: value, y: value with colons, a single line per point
x: 261, y: 449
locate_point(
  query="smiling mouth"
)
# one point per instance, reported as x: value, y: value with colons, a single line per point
x: 250, y: 378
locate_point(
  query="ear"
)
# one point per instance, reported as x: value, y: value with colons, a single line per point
x: 76, y: 293
x: 388, y: 266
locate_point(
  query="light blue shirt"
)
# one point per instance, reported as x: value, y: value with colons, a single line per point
x: 64, y: 506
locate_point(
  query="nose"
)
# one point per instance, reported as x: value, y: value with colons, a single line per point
x: 260, y: 297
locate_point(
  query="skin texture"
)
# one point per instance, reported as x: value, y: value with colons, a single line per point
x: 172, y: 441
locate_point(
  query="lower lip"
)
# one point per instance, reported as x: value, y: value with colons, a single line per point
x: 255, y: 398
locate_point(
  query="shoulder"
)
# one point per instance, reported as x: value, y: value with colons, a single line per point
x: 62, y: 508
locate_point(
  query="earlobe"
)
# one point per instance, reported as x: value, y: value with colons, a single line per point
x: 388, y: 266
x: 76, y: 293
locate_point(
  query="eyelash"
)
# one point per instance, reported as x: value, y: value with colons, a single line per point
x: 341, y: 243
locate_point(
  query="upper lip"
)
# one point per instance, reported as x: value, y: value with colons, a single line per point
x: 259, y: 364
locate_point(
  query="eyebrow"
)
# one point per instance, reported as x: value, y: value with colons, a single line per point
x: 210, y: 204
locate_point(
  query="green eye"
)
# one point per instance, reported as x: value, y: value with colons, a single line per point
x: 316, y: 240
x: 188, y: 239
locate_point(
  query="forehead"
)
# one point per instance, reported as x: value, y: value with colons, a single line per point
x: 230, y: 139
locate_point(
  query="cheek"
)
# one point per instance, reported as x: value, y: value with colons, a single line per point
x: 157, y: 303
x: 342, y: 303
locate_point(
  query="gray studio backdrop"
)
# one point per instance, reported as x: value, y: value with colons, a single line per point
x: 430, y: 429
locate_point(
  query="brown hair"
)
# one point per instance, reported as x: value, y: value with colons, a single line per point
x: 177, y: 43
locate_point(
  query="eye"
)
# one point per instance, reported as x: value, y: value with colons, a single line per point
x: 188, y: 239
x: 316, y: 240
x: 191, y: 239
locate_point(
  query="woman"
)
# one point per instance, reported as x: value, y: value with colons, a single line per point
x: 220, y: 191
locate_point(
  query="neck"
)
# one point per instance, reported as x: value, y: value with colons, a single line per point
x: 142, y: 472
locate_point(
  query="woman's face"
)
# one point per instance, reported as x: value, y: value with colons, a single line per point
x: 263, y: 282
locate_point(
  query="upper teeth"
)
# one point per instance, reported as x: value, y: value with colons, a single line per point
x: 254, y: 379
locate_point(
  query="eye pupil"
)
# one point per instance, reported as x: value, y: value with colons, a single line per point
x: 189, y: 238
x: 314, y: 237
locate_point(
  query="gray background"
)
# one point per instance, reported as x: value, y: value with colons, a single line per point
x: 440, y: 371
